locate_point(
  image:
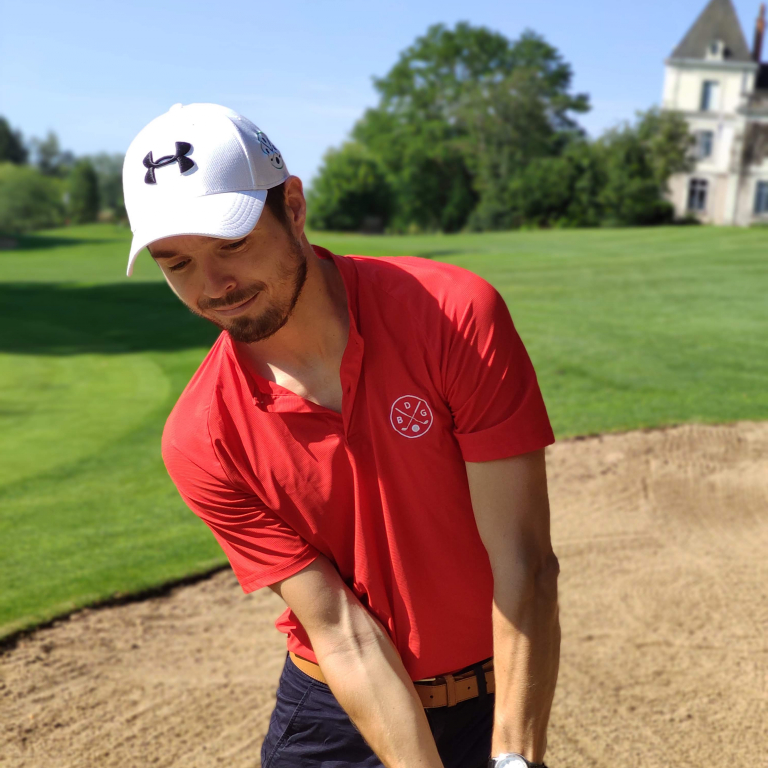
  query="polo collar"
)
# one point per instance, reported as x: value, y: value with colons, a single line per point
x: 271, y: 397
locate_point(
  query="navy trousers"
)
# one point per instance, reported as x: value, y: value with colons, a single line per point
x: 309, y: 729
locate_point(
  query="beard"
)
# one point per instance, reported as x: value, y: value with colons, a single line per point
x: 248, y: 330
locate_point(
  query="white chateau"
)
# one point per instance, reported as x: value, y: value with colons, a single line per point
x: 720, y: 86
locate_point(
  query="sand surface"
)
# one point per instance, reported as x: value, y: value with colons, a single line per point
x: 662, y: 538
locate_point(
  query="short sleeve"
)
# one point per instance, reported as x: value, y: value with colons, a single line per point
x: 489, y: 380
x: 260, y: 547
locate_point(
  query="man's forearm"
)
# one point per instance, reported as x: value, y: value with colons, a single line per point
x: 368, y: 679
x: 526, y: 630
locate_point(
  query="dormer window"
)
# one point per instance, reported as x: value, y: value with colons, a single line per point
x: 716, y: 51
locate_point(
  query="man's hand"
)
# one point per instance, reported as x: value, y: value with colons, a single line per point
x: 509, y: 499
x: 362, y: 667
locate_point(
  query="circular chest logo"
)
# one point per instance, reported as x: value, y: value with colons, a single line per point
x: 411, y: 416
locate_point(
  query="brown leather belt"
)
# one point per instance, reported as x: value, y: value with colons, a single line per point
x: 441, y: 691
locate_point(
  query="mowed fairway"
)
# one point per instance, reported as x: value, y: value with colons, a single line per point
x: 626, y: 328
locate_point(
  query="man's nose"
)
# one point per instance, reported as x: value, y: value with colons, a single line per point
x: 218, y: 282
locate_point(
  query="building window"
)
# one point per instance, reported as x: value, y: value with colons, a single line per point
x: 716, y: 50
x: 761, y: 197
x: 704, y: 143
x: 709, y: 92
x: 697, y: 194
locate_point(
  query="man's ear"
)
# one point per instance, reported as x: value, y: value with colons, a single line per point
x: 295, y: 205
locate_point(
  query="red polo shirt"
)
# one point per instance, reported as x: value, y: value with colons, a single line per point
x: 433, y: 375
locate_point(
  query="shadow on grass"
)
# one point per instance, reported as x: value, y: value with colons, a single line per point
x: 41, y: 242
x: 57, y: 319
x: 438, y: 254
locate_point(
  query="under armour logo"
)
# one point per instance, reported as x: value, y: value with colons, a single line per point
x: 182, y: 150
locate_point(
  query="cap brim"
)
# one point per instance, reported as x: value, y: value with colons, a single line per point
x: 228, y: 215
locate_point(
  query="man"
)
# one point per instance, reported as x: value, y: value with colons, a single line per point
x: 366, y: 437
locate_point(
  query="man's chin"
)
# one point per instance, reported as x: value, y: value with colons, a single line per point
x: 250, y: 330
x: 245, y: 329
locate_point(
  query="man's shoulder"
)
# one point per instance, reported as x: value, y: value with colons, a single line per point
x: 415, y: 280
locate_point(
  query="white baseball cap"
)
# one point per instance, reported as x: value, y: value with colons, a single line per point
x: 199, y: 169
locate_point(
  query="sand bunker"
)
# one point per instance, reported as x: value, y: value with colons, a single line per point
x: 662, y: 538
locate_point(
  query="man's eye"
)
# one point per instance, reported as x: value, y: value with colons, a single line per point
x: 180, y: 265
x: 233, y: 246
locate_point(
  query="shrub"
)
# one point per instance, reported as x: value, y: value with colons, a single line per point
x: 83, y: 193
x: 350, y: 193
x: 559, y: 191
x: 109, y: 172
x: 638, y: 160
x: 29, y: 200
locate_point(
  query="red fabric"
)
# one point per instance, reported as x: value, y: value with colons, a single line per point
x: 434, y: 374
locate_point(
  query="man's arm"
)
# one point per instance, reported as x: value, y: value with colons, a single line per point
x: 362, y: 667
x: 509, y: 499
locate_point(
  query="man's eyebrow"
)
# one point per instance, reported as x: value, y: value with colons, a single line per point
x: 162, y: 254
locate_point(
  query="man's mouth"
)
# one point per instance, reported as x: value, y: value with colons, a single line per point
x: 238, y: 308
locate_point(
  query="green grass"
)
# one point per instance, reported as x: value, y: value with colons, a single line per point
x: 626, y: 328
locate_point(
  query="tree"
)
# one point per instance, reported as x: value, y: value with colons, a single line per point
x: 444, y: 113
x: 109, y: 172
x: 432, y: 77
x: 425, y: 167
x: 350, y: 192
x: 638, y: 161
x: 12, y: 149
x: 415, y: 131
x: 83, y: 193
x: 509, y: 126
x: 50, y: 159
x: 28, y: 200
x: 668, y: 142
x: 515, y: 119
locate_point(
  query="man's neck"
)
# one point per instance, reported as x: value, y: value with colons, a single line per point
x: 308, y: 349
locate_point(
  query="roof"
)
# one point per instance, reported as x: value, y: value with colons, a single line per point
x: 718, y: 21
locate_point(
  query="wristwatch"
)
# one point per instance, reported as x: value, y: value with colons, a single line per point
x: 512, y: 760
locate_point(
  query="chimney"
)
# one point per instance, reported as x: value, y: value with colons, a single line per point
x: 757, y: 51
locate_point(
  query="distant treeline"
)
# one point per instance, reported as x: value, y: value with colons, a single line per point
x: 474, y: 131
x: 42, y: 185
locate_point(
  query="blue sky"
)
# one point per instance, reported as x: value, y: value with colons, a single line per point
x: 97, y: 72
